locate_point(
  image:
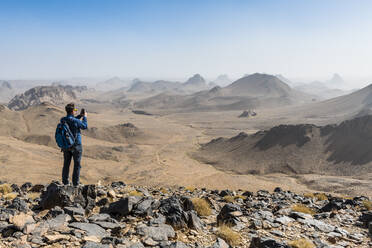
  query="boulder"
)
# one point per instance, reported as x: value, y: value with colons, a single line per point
x: 65, y: 195
x: 123, y: 207
x: 175, y: 216
x: 228, y: 215
x: 57, y: 195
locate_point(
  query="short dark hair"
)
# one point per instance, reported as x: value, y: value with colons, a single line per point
x: 70, y: 108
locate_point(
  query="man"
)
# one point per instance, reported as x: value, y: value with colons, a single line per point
x: 75, y: 125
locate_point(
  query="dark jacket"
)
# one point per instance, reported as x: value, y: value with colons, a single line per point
x: 75, y: 125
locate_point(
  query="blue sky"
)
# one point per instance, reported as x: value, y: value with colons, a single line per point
x: 170, y: 39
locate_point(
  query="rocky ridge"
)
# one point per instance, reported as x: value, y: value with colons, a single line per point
x: 56, y: 95
x: 120, y: 215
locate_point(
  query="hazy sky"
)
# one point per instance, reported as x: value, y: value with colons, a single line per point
x: 70, y: 38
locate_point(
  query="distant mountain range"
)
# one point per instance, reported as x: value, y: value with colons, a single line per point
x: 252, y: 91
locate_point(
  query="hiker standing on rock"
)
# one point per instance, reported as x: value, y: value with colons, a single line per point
x: 68, y: 138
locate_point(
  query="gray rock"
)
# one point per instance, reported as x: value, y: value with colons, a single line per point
x: 54, y: 212
x: 284, y: 220
x: 227, y: 215
x: 107, y: 225
x: 58, y: 222
x: 150, y: 242
x: 23, y: 246
x: 124, y: 206
x: 258, y: 242
x: 370, y: 228
x: 118, y: 184
x: 366, y: 218
x: 320, y: 225
x: 158, y: 220
x: 178, y: 244
x: 91, y: 244
x: 144, y: 207
x: 4, y: 225
x: 256, y: 224
x: 299, y: 215
x: 194, y: 221
x: 172, y: 209
x: 220, y: 243
x: 278, y: 233
x: 74, y: 210
x: 26, y: 186
x: 100, y: 217
x: 157, y: 233
x: 90, y: 229
x: 58, y: 195
x: 332, y: 205
x: 19, y: 205
x: 137, y: 245
x: 65, y: 195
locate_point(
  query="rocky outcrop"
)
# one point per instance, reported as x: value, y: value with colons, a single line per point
x: 120, y: 215
x: 56, y: 95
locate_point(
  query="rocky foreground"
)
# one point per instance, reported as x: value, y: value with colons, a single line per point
x: 119, y: 215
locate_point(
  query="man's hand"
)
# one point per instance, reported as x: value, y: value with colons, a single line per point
x: 85, y: 114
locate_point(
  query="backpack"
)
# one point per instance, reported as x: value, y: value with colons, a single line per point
x: 64, y: 137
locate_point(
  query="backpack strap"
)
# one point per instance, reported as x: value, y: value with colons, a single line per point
x: 68, y: 122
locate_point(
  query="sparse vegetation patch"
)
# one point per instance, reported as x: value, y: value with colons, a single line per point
x: 230, y: 236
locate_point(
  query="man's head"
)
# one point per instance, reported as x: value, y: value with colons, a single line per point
x: 70, y: 108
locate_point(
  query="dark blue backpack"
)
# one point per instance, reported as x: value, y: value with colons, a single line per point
x: 64, y: 137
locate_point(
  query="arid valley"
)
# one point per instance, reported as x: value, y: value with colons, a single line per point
x: 191, y: 134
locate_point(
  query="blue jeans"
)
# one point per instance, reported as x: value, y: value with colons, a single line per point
x: 75, y: 153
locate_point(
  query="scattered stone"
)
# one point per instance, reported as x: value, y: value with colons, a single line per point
x: 74, y: 210
x: 84, y: 216
x: 90, y: 229
x: 159, y: 233
x: 220, y: 243
x: 284, y: 220
x: 56, y: 238
x: 91, y: 244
